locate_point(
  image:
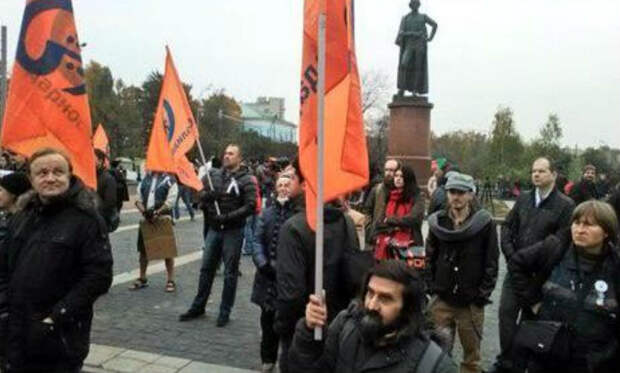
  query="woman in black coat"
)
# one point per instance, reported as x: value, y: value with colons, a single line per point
x: 574, y: 279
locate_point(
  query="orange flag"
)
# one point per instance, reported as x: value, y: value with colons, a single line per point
x: 346, y: 166
x: 174, y: 131
x: 100, y: 140
x: 47, y: 105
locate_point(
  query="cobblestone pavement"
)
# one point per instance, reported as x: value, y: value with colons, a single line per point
x: 146, y: 320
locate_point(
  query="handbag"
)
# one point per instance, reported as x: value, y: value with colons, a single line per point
x: 544, y: 340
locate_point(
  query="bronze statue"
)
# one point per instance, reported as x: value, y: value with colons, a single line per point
x: 412, y: 39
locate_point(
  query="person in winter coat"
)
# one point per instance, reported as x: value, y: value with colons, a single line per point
x: 264, y: 255
x: 574, y: 279
x: 296, y: 261
x: 374, y: 207
x: 12, y: 187
x: 614, y: 201
x: 234, y: 194
x: 585, y: 189
x: 54, y: 264
x: 106, y: 189
x: 535, y: 215
x: 463, y: 251
x: 402, y: 220
x: 383, y: 331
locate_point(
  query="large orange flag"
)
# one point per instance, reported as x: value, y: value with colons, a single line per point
x: 174, y: 131
x: 346, y: 166
x: 100, y: 140
x: 47, y: 105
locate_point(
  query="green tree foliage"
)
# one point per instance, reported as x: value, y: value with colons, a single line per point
x: 127, y: 114
x: 506, y: 147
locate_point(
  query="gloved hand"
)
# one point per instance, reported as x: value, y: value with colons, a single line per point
x: 209, y: 195
x: 149, y: 214
x: 220, y: 219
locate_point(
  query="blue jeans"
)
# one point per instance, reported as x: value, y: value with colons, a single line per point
x: 248, y: 235
x: 186, y: 195
x: 225, y: 246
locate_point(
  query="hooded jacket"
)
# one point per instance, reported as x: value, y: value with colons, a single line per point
x: 464, y: 260
x: 55, y: 262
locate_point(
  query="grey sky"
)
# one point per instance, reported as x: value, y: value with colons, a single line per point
x: 536, y: 56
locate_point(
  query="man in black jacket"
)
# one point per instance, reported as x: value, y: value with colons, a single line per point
x: 462, y: 246
x: 295, y: 266
x: 535, y: 215
x: 106, y: 189
x: 226, y: 207
x: 382, y: 332
x: 54, y: 264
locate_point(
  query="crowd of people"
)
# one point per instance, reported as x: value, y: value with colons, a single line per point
x: 394, y: 298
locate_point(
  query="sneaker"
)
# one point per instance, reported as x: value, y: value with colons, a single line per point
x: 268, y: 368
x: 191, y: 314
x: 222, y: 321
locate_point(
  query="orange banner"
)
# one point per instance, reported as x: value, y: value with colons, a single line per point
x: 346, y: 155
x: 174, y: 131
x: 100, y: 140
x: 47, y: 104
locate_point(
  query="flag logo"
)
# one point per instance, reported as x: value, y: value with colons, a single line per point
x: 59, y: 49
x: 169, y: 121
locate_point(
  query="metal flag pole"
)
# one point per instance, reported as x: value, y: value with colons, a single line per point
x: 318, y: 270
x: 204, y: 162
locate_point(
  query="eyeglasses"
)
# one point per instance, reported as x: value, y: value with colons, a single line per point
x: 456, y: 191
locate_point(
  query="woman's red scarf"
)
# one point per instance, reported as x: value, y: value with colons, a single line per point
x: 397, y: 209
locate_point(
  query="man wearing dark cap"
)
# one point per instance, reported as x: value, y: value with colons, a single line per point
x: 463, y: 252
x: 106, y: 189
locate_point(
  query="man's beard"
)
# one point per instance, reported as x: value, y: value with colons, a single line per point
x: 372, y: 327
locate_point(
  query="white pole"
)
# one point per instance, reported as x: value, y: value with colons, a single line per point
x: 318, y: 270
x: 204, y: 162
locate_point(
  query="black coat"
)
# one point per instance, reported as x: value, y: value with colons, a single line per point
x: 264, y: 254
x: 526, y: 224
x: 584, y: 190
x: 55, y: 262
x: 344, y: 350
x: 108, y: 197
x: 236, y: 203
x: 463, y: 262
x: 551, y: 272
x: 295, y: 267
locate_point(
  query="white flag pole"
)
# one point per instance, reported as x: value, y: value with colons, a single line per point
x: 204, y: 162
x: 318, y: 270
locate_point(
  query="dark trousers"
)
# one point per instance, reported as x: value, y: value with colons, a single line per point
x: 508, y: 313
x: 285, y: 345
x: 270, y: 339
x: 220, y: 246
x: 185, y: 194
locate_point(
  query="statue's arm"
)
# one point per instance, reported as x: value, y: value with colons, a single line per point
x: 401, y: 33
x: 433, y: 25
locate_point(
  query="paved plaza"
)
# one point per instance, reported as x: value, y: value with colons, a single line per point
x: 139, y: 331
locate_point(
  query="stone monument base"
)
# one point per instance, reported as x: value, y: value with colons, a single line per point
x: 409, y: 139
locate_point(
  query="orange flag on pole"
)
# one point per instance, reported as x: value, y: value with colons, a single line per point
x: 345, y: 141
x: 100, y: 140
x: 174, y: 131
x: 47, y: 105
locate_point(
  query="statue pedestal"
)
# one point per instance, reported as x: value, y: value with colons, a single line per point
x: 409, y: 139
